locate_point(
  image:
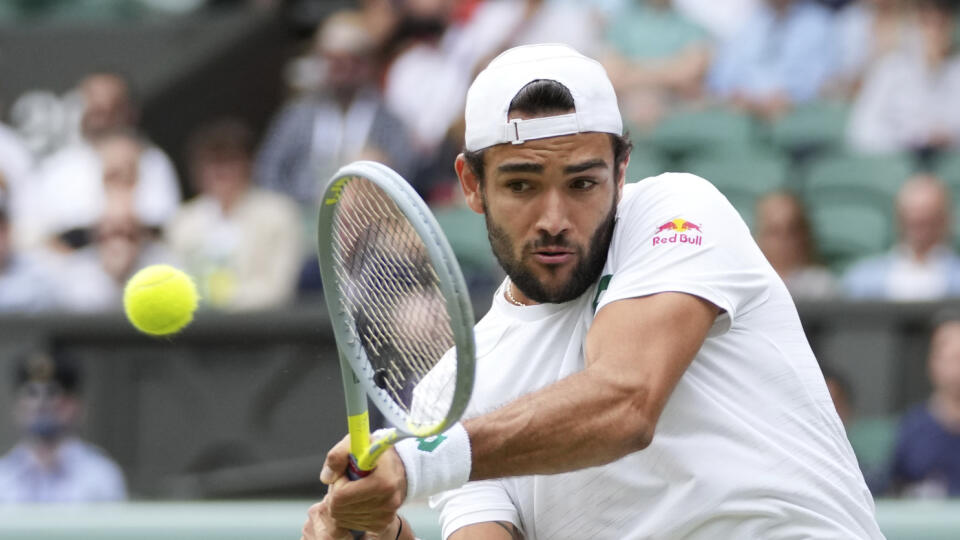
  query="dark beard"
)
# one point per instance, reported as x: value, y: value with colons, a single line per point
x: 584, y: 275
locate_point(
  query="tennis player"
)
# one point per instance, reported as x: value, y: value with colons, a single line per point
x: 642, y: 372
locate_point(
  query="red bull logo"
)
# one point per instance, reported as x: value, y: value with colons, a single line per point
x: 682, y: 233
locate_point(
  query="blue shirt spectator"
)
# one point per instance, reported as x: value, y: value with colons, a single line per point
x: 83, y: 474
x: 24, y: 284
x: 49, y: 463
x: 922, y: 266
x: 926, y: 462
x: 784, y: 52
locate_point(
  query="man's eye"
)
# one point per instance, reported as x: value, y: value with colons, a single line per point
x: 518, y: 187
x: 583, y: 183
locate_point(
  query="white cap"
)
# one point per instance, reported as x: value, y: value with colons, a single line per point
x: 490, y: 95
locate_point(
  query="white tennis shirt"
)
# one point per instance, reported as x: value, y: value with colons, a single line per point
x: 749, y: 445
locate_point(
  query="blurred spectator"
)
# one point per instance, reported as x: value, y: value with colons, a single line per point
x: 50, y: 463
x: 92, y: 278
x: 783, y: 55
x: 497, y: 25
x: 438, y: 47
x: 73, y: 195
x: 25, y: 285
x: 17, y: 169
x: 722, y: 19
x: 657, y: 58
x: 909, y: 99
x: 431, y: 68
x: 926, y: 461
x: 343, y: 120
x: 840, y: 394
x: 242, y: 243
x: 784, y: 235
x: 870, y: 30
x: 922, y: 265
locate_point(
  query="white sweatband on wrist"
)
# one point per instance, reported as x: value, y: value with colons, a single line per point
x: 436, y: 464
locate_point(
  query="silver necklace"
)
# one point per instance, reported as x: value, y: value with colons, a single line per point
x: 510, y: 297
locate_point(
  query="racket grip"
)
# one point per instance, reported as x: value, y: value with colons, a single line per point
x: 354, y: 472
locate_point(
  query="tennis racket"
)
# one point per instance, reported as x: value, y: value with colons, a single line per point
x: 399, y: 307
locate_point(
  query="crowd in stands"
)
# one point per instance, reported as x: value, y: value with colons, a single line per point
x: 786, y: 87
x: 833, y: 126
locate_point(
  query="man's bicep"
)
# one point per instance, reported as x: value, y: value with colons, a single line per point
x: 649, y: 342
x: 493, y: 530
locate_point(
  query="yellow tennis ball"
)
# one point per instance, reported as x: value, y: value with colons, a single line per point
x: 160, y: 300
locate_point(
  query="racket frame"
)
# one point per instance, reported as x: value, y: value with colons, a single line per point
x: 356, y: 370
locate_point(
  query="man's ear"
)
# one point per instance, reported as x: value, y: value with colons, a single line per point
x: 621, y: 178
x: 470, y: 184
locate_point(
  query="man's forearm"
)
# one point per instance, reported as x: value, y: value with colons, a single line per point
x: 636, y: 352
x: 581, y: 421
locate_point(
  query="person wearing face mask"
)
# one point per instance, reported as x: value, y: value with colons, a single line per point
x: 50, y: 463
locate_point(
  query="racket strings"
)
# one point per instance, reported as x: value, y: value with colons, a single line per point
x: 392, y: 291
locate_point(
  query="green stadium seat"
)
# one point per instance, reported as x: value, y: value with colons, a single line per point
x: 742, y: 176
x: 873, y: 440
x: 467, y: 233
x: 690, y: 131
x: 948, y: 169
x: 644, y: 163
x: 859, y: 175
x: 816, y: 125
x: 846, y: 230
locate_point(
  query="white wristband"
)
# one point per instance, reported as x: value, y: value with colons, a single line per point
x: 437, y: 463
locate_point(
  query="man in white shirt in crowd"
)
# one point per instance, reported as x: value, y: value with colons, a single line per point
x: 50, y: 463
x: 242, y: 243
x: 923, y: 264
x: 71, y: 179
x: 26, y: 285
x: 642, y: 371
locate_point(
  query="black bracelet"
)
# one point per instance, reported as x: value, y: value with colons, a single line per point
x: 400, y: 530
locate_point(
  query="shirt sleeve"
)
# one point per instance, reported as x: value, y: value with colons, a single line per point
x: 677, y: 233
x: 476, y: 502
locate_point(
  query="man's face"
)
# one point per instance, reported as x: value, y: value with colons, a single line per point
x: 106, y: 104
x: 923, y: 216
x: 550, y: 206
x: 224, y: 178
x: 44, y: 411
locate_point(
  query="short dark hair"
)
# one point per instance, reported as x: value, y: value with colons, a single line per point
x: 950, y: 7
x: 222, y: 139
x: 545, y: 96
x: 41, y: 366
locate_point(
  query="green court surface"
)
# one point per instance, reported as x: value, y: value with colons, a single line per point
x: 900, y: 520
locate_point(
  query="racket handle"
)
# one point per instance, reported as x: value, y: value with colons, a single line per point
x: 355, y: 473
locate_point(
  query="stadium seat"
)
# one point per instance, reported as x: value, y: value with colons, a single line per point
x: 854, y: 174
x: 948, y: 169
x: 686, y: 132
x: 467, y: 232
x: 813, y: 126
x: 846, y: 230
x: 742, y: 175
x: 872, y: 440
x: 644, y: 162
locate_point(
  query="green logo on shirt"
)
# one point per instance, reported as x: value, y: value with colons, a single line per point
x: 601, y: 286
x: 429, y: 444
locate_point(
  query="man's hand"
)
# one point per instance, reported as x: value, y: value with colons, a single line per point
x: 367, y: 504
x: 319, y: 525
